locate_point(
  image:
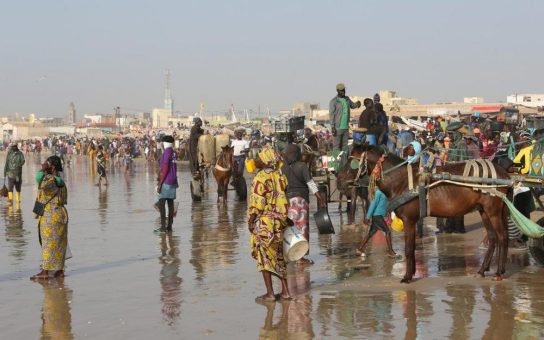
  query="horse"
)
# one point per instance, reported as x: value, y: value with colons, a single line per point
x: 222, y: 172
x: 446, y: 199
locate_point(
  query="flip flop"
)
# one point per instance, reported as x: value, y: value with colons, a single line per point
x: 290, y: 298
x: 40, y: 277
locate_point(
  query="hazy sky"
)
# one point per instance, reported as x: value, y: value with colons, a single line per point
x: 105, y: 53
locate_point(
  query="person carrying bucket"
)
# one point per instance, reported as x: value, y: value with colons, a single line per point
x: 375, y: 220
x: 267, y: 211
x: 299, y: 186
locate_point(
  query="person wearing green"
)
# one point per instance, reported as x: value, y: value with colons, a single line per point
x: 339, y: 115
x: 13, y: 172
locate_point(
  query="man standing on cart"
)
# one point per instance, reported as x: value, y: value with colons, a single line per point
x: 339, y: 115
x: 196, y: 132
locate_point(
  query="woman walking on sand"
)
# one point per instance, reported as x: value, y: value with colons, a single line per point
x: 267, y: 212
x: 53, y: 225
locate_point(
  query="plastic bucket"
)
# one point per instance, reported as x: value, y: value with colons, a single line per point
x: 295, y: 245
x: 396, y: 223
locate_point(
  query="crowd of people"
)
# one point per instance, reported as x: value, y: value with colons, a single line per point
x: 282, y: 185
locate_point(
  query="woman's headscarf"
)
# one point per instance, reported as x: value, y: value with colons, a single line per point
x: 292, y: 154
x: 417, y: 149
x: 269, y: 157
x: 56, y: 162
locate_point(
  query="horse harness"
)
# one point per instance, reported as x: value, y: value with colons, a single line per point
x: 428, y: 178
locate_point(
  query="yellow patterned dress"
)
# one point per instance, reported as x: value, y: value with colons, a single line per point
x: 53, y: 225
x: 269, y: 202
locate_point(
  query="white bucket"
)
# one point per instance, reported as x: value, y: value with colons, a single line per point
x: 295, y: 245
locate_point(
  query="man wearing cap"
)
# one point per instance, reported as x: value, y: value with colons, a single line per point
x: 196, y: 132
x: 339, y: 115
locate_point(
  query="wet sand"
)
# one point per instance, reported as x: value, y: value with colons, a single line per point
x: 124, y: 281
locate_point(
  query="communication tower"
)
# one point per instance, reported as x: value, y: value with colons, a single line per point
x: 168, y: 102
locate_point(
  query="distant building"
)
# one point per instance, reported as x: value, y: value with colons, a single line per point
x: 31, y: 118
x: 71, y: 114
x: 22, y: 130
x: 304, y: 109
x: 390, y: 98
x: 526, y: 99
x: 473, y: 100
x: 320, y: 113
x: 161, y: 117
x: 143, y: 116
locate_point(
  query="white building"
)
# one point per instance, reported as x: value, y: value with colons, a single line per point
x: 161, y: 117
x: 93, y: 118
x: 526, y: 99
x: 473, y: 100
x: 390, y: 98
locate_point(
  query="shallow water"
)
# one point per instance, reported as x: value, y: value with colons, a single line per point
x: 124, y: 281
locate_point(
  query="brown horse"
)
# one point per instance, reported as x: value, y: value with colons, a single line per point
x: 222, y: 172
x: 446, y: 200
x: 346, y: 187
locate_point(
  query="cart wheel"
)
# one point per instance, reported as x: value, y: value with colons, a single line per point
x: 196, y: 193
x: 241, y: 188
x: 536, y: 246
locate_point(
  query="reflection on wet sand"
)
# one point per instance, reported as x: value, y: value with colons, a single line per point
x: 353, y: 313
x: 169, y: 278
x: 294, y: 321
x: 15, y: 233
x: 56, y: 316
x: 103, y: 205
x: 461, y: 307
x: 214, y: 238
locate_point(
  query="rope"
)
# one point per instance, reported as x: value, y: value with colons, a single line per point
x: 480, y: 186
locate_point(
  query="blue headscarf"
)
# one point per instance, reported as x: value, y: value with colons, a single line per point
x: 417, y: 148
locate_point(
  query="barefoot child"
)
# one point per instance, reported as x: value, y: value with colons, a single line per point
x: 375, y: 218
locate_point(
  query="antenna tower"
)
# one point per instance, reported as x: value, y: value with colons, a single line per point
x: 168, y: 102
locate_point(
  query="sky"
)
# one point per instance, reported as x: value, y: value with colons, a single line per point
x: 101, y: 54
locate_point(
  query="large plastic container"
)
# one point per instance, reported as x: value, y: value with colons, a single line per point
x: 221, y: 141
x: 206, y: 149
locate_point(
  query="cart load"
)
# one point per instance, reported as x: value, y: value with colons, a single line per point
x: 206, y: 149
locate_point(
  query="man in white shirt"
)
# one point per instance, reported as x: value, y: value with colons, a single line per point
x: 239, y: 154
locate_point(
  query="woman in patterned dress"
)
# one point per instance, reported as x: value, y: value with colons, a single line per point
x: 53, y: 225
x: 267, y: 212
